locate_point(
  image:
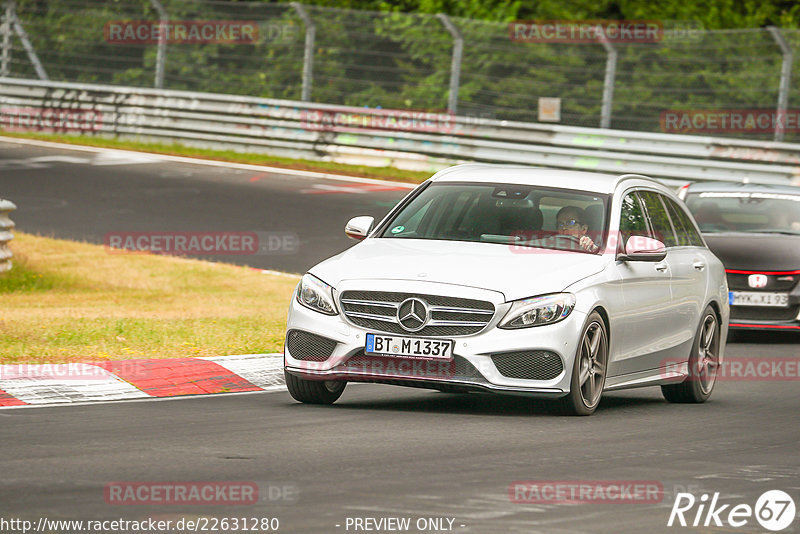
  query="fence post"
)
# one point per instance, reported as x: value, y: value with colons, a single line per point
x: 5, y: 29
x: 308, y: 53
x: 26, y: 44
x: 161, y: 53
x: 6, y: 225
x: 608, y: 82
x: 455, y: 65
x: 786, y: 76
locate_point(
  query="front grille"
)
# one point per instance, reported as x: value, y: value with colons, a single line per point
x: 763, y: 313
x: 529, y: 365
x: 309, y: 347
x: 449, y: 316
x: 738, y: 282
x: 456, y: 369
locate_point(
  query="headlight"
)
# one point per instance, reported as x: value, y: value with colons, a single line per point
x: 315, y: 294
x: 537, y: 311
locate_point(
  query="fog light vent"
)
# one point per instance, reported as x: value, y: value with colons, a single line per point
x: 309, y: 347
x: 529, y: 365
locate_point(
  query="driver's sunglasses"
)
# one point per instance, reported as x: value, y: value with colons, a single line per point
x: 569, y: 224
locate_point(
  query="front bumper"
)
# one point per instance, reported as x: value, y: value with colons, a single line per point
x: 473, y: 367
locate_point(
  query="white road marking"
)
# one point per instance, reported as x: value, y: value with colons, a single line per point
x: 65, y: 383
x: 278, y: 273
x: 99, y: 160
x: 59, y: 159
x: 333, y: 188
x: 119, y: 157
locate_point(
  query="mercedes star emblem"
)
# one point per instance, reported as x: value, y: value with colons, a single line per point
x: 412, y: 314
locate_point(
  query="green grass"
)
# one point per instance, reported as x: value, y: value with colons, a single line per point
x: 67, y: 301
x: 364, y: 171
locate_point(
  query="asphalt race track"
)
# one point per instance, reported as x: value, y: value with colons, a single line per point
x: 80, y: 195
x: 380, y: 451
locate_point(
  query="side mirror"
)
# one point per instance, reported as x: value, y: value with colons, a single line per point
x: 359, y: 227
x: 640, y: 248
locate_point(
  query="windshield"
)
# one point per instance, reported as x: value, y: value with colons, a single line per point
x: 732, y: 211
x: 505, y: 214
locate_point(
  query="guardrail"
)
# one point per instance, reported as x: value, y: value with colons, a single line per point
x: 6, y: 225
x: 405, y: 139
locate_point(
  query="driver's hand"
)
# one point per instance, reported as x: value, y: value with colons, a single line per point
x: 586, y: 243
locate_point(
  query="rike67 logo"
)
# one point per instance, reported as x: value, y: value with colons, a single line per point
x: 774, y: 510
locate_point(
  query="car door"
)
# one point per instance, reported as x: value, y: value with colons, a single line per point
x: 687, y: 284
x: 689, y: 264
x: 644, y: 314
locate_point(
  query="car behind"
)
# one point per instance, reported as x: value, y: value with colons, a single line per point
x: 755, y: 230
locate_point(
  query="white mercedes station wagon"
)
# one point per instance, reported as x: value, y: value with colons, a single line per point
x: 516, y: 280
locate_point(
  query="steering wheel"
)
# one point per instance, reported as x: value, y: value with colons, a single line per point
x: 573, y: 238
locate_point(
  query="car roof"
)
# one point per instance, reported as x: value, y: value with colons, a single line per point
x: 742, y: 187
x: 538, y: 176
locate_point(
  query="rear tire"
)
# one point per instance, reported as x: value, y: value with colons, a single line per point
x: 588, y: 370
x: 313, y: 391
x: 703, y: 364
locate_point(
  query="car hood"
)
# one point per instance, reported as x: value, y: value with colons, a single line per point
x: 515, y: 272
x: 756, y: 252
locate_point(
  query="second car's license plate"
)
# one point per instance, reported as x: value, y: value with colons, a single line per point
x: 755, y: 298
x: 409, y: 347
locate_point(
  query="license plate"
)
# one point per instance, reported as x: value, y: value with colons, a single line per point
x: 409, y: 347
x: 754, y: 298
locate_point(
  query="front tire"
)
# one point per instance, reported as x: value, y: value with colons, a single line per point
x: 703, y: 364
x: 313, y: 391
x: 589, y: 369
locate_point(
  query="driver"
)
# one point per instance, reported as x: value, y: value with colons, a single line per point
x: 570, y: 221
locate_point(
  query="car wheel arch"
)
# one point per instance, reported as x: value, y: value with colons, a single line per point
x: 717, y: 310
x: 604, y: 314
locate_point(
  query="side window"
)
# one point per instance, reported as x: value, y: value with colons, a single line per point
x: 680, y: 230
x: 659, y: 218
x: 632, y: 219
x: 688, y: 234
